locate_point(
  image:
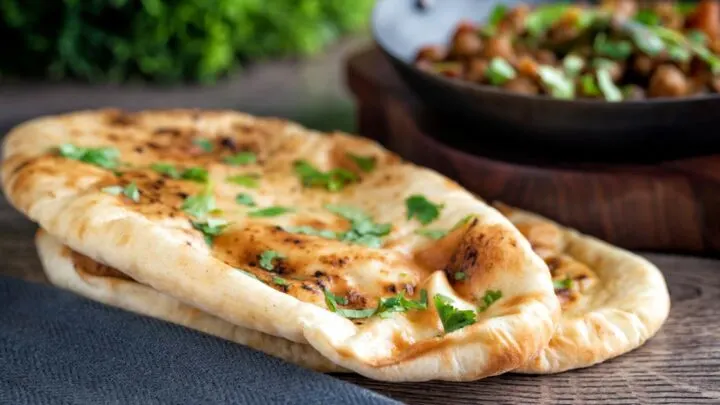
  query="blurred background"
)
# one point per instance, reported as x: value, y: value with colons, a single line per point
x: 269, y: 57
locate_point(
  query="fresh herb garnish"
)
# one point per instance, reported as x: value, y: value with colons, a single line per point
x: 241, y: 158
x: 488, y: 299
x: 462, y: 222
x: 199, y: 205
x: 246, y: 180
x: 645, y: 39
x: 451, y: 317
x: 421, y: 208
x: 499, y: 71
x: 273, y: 211
x: 398, y: 303
x: 210, y: 227
x: 245, y: 199
x: 459, y: 276
x: 280, y: 281
x: 564, y: 284
x: 197, y: 174
x: 166, y: 169
x: 363, y: 230
x: 647, y: 17
x: 434, y: 234
x: 607, y: 86
x: 618, y: 50
x: 497, y: 14
x: 589, y: 86
x: 554, y: 79
x: 365, y: 163
x: 106, y: 158
x: 130, y: 191
x: 543, y: 17
x: 333, y: 180
x: 266, y: 259
x: 309, y: 230
x: 696, y: 36
x: 205, y: 144
x: 333, y: 301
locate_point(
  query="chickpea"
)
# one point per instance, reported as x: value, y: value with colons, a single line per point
x: 476, y: 69
x: 522, y: 85
x: 668, y: 81
x: 499, y: 46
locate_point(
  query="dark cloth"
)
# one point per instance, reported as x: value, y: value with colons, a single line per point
x: 58, y: 348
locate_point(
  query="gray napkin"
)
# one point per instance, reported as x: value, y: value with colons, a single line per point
x: 58, y: 348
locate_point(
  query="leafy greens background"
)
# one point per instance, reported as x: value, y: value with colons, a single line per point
x: 165, y: 40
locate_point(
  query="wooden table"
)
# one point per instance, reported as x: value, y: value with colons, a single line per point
x: 680, y: 365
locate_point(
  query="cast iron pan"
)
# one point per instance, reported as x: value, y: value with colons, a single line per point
x: 401, y: 27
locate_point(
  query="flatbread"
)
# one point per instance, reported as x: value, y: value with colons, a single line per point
x: 615, y: 302
x: 258, y: 274
x: 78, y: 273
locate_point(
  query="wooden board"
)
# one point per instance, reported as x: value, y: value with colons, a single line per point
x: 669, y: 206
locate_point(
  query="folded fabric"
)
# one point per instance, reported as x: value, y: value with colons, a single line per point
x: 59, y: 348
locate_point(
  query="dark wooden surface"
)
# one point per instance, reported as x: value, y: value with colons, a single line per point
x: 666, y: 206
x: 680, y: 365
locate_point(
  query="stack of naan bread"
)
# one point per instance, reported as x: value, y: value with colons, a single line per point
x: 325, y: 250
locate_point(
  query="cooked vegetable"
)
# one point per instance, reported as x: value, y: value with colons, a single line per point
x: 568, y: 51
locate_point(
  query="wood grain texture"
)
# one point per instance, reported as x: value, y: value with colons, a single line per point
x: 659, y: 206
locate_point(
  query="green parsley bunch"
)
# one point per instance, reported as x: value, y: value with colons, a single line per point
x: 165, y: 40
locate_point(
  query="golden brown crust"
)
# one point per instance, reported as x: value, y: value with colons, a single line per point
x: 154, y: 242
x: 616, y: 302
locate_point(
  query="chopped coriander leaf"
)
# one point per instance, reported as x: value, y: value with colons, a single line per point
x: 246, y: 180
x: 273, y: 211
x: 398, y: 303
x: 499, y: 71
x: 240, y: 159
x: 333, y: 301
x: 647, y: 17
x: 459, y: 276
x: 309, y: 230
x: 434, y: 234
x: 365, y: 163
x: 166, y: 169
x: 266, y: 259
x: 497, y: 14
x: 333, y: 180
x: 205, y: 144
x: 279, y: 281
x: 608, y: 88
x: 363, y: 231
x: 199, y: 205
x: 421, y: 208
x: 560, y: 86
x: 573, y: 65
x: 589, y: 86
x: 247, y: 273
x: 245, y: 199
x: 452, y: 318
x: 210, y: 227
x: 619, y: 50
x: 543, y: 17
x: 565, y: 284
x: 131, y: 191
x: 197, y: 174
x: 107, y: 158
x: 488, y: 299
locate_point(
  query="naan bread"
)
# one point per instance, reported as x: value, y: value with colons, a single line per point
x: 482, y: 301
x: 612, y: 300
x: 80, y: 274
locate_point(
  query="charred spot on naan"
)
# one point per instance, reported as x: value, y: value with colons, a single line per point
x: 483, y: 253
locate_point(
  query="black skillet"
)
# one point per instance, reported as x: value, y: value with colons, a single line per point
x: 666, y: 126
